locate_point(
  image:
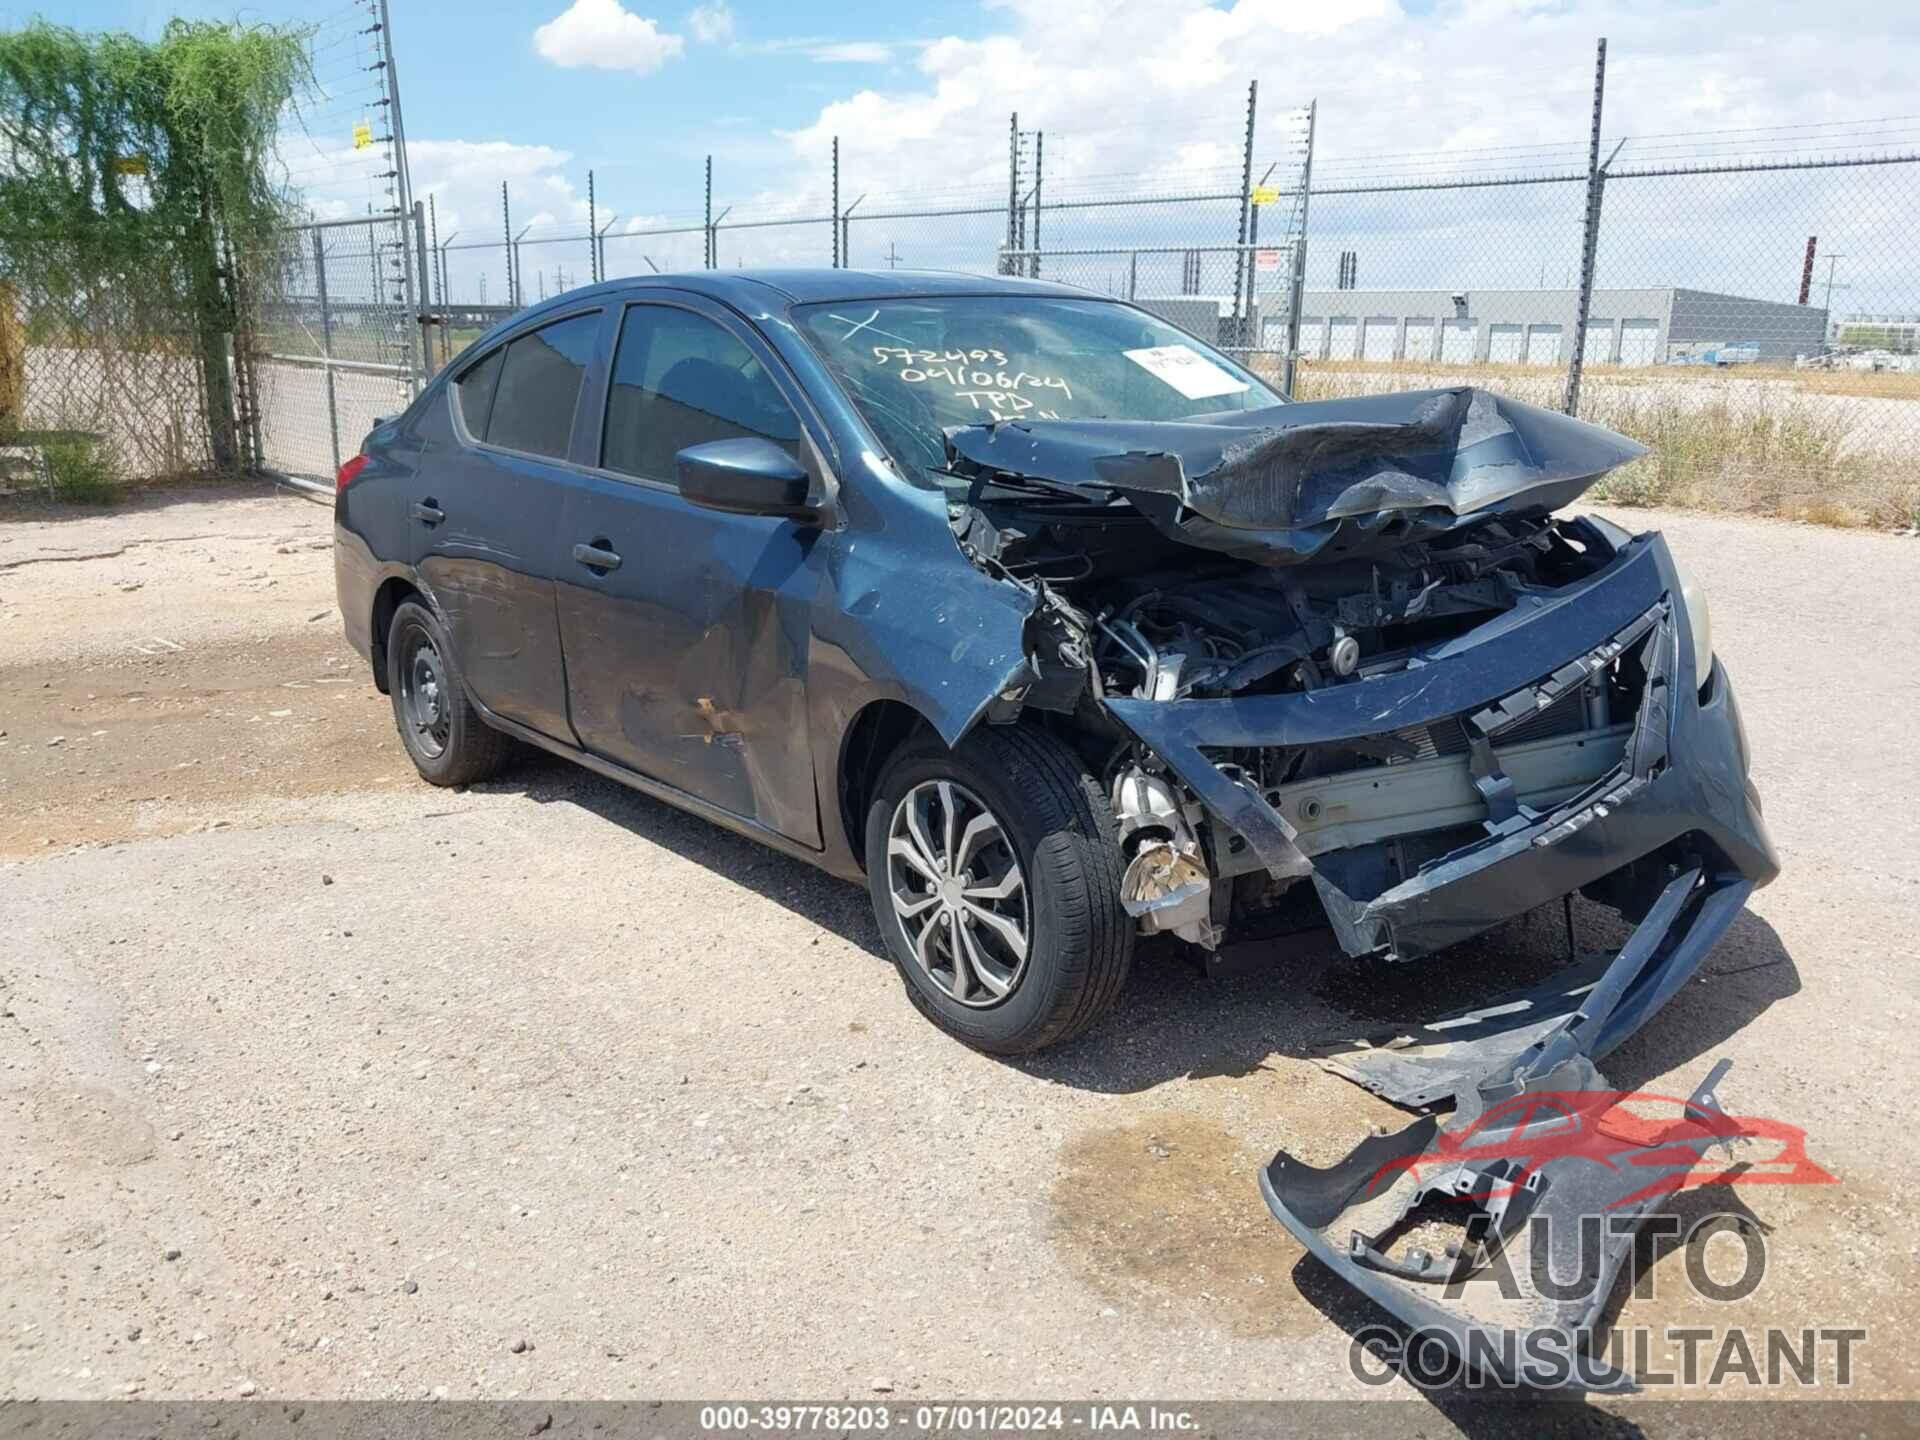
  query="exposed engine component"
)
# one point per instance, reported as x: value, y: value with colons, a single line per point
x: 1344, y: 655
x: 1167, y: 887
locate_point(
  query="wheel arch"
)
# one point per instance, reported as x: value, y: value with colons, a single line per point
x: 877, y: 732
x: 394, y: 592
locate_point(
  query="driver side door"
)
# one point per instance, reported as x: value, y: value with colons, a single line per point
x: 686, y: 630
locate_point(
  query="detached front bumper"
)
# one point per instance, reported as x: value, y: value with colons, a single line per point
x: 1679, y: 791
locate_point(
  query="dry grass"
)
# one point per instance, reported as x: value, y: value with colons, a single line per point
x: 1754, y: 443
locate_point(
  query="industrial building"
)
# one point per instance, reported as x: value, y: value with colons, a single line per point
x: 1535, y: 327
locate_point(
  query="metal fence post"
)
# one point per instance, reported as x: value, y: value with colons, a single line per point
x: 593, y: 231
x: 1013, y: 189
x: 404, y: 177
x: 1039, y: 179
x: 1590, y: 237
x: 846, y: 231
x: 424, y: 317
x: 1242, y: 281
x: 506, y: 241
x: 600, y: 246
x: 709, y: 219
x: 1298, y: 290
x: 836, y: 202
x: 326, y: 344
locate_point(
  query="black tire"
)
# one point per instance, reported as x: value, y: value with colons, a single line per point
x: 1059, y: 828
x: 459, y: 748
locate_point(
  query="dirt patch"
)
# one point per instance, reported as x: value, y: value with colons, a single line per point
x: 96, y: 1126
x: 1169, y: 1211
x: 208, y: 735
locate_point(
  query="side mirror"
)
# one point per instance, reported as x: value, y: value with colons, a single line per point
x: 748, y: 476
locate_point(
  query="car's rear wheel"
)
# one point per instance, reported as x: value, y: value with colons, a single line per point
x: 996, y: 884
x: 445, y: 737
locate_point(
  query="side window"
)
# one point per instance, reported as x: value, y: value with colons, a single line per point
x: 475, y: 391
x: 678, y: 380
x: 540, y: 385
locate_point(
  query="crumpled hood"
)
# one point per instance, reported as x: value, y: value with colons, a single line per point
x: 1316, y: 480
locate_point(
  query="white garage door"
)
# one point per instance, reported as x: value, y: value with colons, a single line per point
x: 1343, y: 338
x: 1639, y: 340
x: 1599, y: 349
x: 1543, y: 345
x: 1381, y: 335
x: 1457, y: 342
x: 1504, y: 342
x: 1419, y: 344
x: 1313, y: 335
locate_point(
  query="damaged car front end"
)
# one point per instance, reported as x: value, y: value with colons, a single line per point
x: 1350, y: 667
x: 1395, y: 693
x: 1392, y: 675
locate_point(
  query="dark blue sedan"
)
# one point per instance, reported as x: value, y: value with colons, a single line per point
x: 1050, y: 621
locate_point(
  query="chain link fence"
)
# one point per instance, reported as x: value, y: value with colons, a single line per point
x: 99, y: 386
x: 337, y: 343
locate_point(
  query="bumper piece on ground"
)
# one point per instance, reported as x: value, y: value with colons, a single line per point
x: 1425, y: 1064
x: 1538, y: 1171
x: 1520, y: 1294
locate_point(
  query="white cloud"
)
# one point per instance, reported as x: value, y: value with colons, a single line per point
x: 851, y: 52
x: 712, y: 24
x: 463, y: 178
x: 606, y: 35
x: 837, y: 52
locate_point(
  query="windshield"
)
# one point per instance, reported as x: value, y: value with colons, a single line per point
x: 918, y: 365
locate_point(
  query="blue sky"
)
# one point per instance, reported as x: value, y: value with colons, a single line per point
x: 471, y: 70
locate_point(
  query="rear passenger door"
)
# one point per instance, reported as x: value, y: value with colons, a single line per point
x: 485, y: 521
x: 686, y: 630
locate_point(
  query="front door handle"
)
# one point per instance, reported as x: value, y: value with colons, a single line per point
x: 597, y: 557
x: 427, y: 512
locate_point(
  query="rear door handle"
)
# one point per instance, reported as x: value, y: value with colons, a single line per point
x: 427, y: 512
x: 597, y: 557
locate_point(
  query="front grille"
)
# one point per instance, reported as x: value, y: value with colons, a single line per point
x: 1442, y: 737
x: 1565, y: 716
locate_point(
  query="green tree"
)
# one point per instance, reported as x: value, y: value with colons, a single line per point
x: 132, y: 172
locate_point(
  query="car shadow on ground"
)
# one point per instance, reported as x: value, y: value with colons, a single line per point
x: 1171, y: 1024
x: 833, y: 904
x: 1174, y: 1023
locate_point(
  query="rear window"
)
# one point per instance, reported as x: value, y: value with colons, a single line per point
x: 540, y: 387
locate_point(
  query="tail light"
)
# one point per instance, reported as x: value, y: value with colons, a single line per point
x: 348, y: 472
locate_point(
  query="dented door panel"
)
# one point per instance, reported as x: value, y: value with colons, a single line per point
x: 688, y: 662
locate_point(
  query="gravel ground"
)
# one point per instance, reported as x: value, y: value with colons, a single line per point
x: 318, y: 1082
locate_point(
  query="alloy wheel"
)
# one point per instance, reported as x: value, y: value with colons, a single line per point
x: 958, y: 893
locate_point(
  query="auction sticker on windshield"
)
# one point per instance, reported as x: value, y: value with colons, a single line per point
x: 1186, y: 370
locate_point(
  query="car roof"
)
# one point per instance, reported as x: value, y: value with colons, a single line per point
x: 751, y: 289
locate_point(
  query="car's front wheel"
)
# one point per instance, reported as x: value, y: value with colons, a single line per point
x: 445, y: 737
x: 996, y: 884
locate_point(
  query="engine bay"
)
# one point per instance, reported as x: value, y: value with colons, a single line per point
x: 1123, y: 612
